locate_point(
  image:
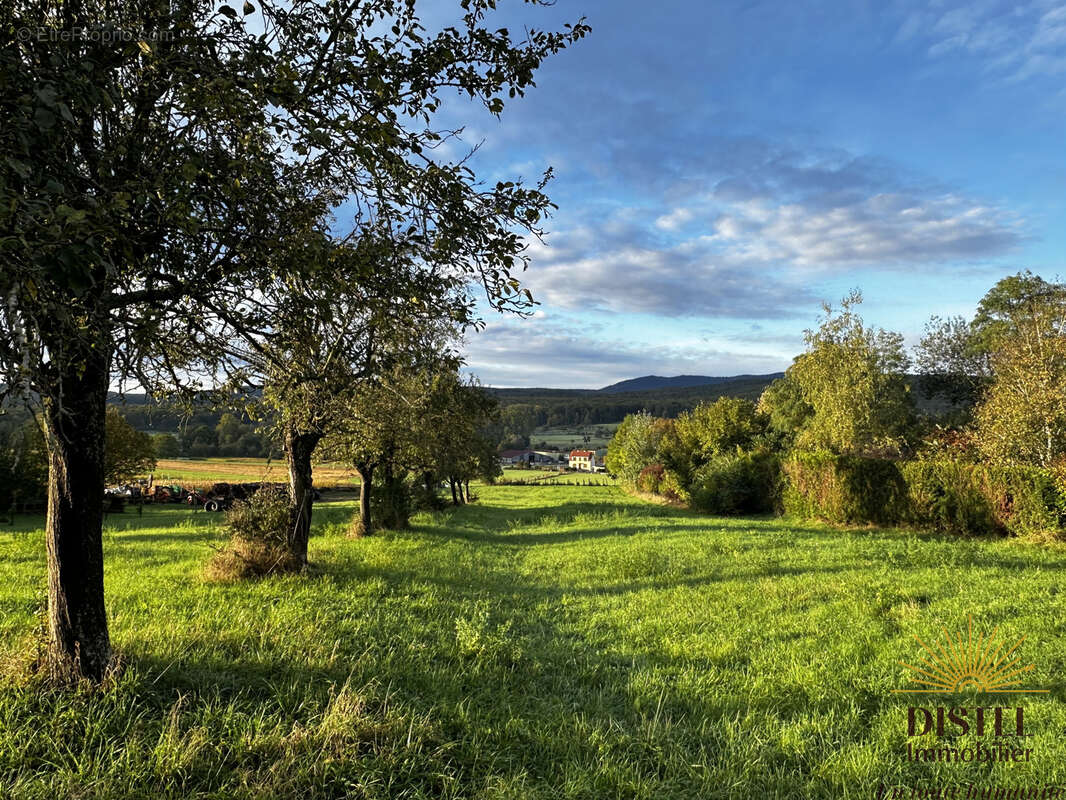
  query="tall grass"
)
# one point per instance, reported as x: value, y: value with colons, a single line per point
x: 546, y: 642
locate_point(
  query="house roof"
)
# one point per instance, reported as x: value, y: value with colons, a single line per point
x: 513, y: 453
x: 582, y: 453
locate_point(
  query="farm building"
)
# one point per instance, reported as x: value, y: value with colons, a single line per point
x: 583, y: 459
x: 528, y: 457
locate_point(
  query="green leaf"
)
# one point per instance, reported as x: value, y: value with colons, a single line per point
x: 227, y: 11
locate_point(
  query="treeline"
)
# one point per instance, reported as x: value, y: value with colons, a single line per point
x: 524, y: 410
x: 206, y: 432
x: 229, y: 437
x: 839, y: 436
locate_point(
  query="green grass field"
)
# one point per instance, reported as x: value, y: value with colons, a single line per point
x: 570, y: 437
x: 547, y: 642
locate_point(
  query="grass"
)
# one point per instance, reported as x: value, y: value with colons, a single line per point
x: 562, y: 642
x: 555, y: 478
x: 570, y: 437
x: 202, y: 472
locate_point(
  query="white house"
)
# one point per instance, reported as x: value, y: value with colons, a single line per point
x: 583, y: 459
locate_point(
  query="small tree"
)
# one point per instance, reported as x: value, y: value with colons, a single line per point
x: 728, y: 425
x: 853, y: 379
x: 635, y: 445
x: 128, y: 452
x: 166, y: 445
x: 786, y: 411
x: 1021, y: 419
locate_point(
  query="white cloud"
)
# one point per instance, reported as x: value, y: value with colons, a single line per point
x: 553, y: 353
x: 674, y: 220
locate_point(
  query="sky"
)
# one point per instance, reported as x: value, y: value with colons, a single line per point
x: 722, y: 168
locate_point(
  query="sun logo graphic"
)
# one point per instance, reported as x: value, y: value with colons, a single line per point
x: 963, y: 663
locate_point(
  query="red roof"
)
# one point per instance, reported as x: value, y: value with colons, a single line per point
x: 582, y: 453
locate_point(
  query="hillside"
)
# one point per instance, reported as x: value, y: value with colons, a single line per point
x: 653, y: 382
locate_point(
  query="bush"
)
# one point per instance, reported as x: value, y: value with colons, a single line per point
x: 650, y: 478
x: 976, y: 498
x: 948, y: 496
x: 259, y: 539
x: 673, y: 487
x: 943, y: 495
x: 426, y: 499
x: 390, y: 504
x: 744, y: 483
x: 844, y: 489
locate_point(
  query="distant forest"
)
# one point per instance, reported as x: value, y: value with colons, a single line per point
x: 207, y: 432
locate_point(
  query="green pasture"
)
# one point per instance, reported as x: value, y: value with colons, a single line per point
x: 546, y: 642
x: 571, y: 437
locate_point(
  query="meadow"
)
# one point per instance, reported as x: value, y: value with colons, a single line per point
x: 544, y: 477
x: 201, y: 472
x: 572, y: 437
x: 555, y: 642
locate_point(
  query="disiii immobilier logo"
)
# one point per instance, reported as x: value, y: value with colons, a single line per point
x: 988, y: 672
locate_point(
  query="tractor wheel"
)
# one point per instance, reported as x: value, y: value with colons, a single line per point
x: 211, y: 505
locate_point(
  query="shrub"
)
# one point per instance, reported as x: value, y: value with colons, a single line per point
x: 390, y: 504
x: 650, y: 478
x: 743, y: 483
x: 673, y: 487
x: 947, y: 496
x: 259, y: 539
x: 950, y: 496
x: 728, y: 425
x: 844, y: 489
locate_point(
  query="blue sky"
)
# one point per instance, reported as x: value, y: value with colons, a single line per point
x: 721, y: 168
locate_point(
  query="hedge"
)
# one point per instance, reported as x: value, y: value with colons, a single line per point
x: 744, y: 483
x: 943, y: 495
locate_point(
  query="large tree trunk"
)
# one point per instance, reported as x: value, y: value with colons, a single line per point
x: 364, y: 525
x: 78, y: 642
x: 299, y: 447
x: 455, y: 498
x: 397, y: 504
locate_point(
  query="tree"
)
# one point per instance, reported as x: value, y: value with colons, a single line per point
x: 128, y: 452
x: 338, y: 331
x: 147, y: 180
x: 1021, y: 418
x: 635, y: 445
x: 955, y: 357
x: 374, y: 430
x: 166, y: 445
x: 228, y: 429
x: 459, y: 421
x: 23, y: 465
x: 852, y: 378
x: 728, y: 425
x: 787, y: 412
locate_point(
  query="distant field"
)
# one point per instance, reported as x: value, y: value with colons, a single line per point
x: 570, y: 437
x: 551, y: 478
x: 205, y: 471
